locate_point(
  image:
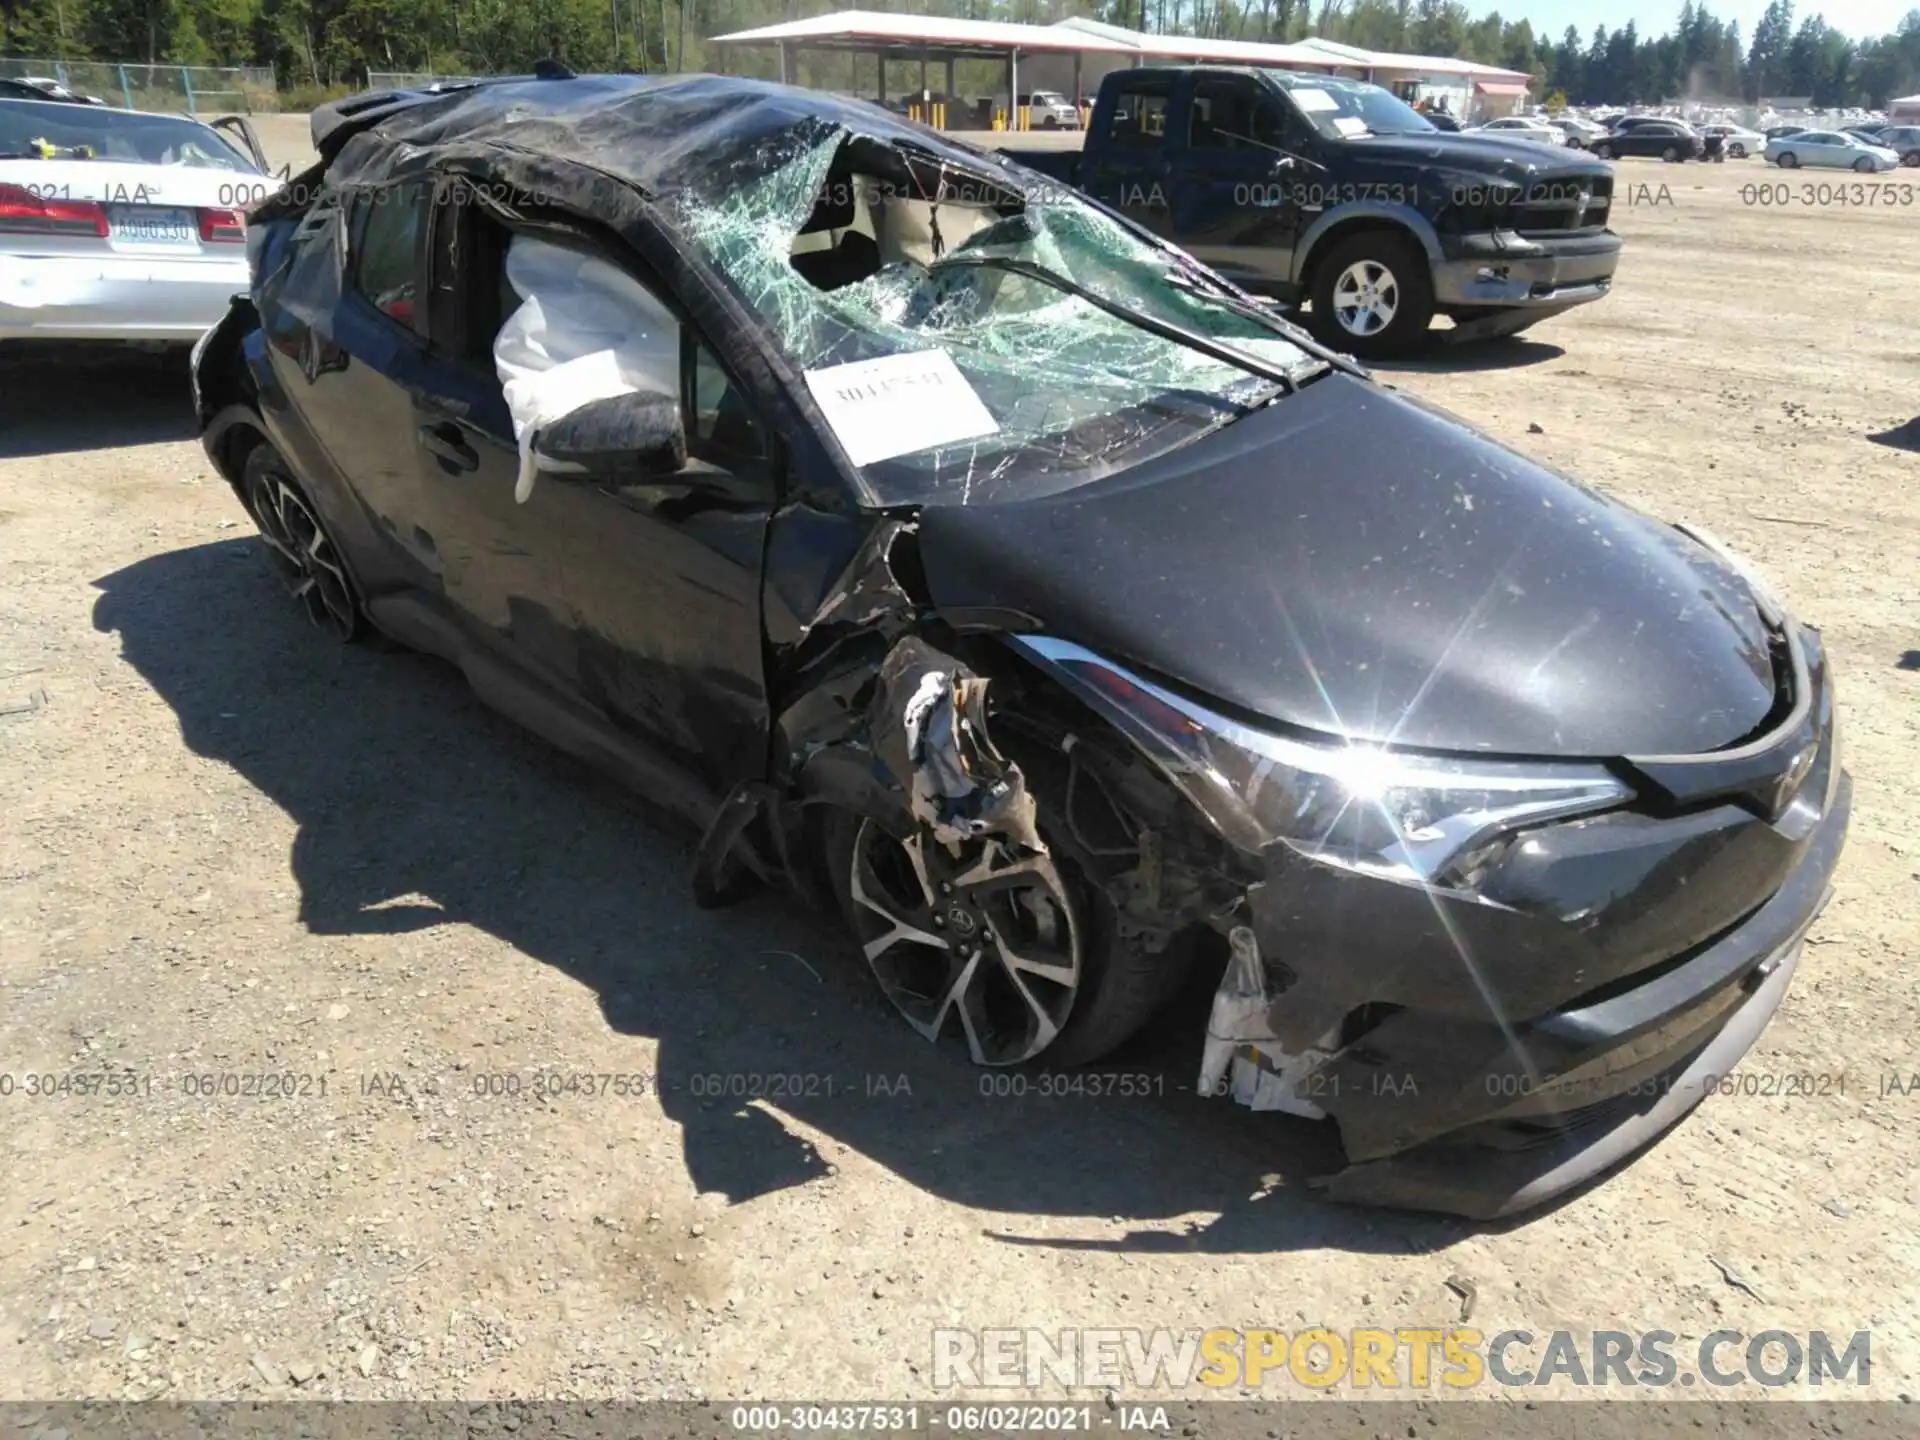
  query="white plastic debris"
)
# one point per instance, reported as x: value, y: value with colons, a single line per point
x: 1263, y: 1075
x: 585, y: 330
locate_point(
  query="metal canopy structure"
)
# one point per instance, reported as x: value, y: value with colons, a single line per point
x: 934, y: 38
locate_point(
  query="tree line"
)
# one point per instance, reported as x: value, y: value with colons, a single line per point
x: 332, y: 43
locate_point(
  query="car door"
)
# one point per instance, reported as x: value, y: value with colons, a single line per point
x: 664, y: 580
x: 344, y: 338
x: 496, y: 562
x: 1655, y: 140
x: 1820, y: 148
x: 1234, y: 198
x: 1127, y: 167
x: 641, y: 600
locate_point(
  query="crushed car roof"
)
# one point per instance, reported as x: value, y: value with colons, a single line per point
x: 664, y: 134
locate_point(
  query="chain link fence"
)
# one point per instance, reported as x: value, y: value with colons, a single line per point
x: 186, y: 89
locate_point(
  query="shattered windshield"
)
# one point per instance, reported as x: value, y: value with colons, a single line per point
x: 929, y: 309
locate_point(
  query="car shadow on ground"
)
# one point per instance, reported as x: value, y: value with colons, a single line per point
x: 60, y: 398
x: 1467, y: 356
x: 1901, y: 437
x: 416, y: 806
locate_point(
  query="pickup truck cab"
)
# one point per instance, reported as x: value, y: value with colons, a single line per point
x: 1331, y: 192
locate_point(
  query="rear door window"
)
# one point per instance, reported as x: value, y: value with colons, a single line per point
x: 1231, y: 113
x: 1140, y: 115
x: 385, y: 250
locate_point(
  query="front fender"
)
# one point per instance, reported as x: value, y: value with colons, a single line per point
x: 1402, y: 217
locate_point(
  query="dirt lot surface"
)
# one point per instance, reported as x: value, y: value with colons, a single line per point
x: 231, y: 848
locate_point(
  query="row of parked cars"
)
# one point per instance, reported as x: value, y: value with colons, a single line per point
x: 1865, y: 148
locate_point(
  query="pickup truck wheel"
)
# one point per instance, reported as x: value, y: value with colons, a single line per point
x: 1373, y: 296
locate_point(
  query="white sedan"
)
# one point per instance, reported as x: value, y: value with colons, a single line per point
x: 1519, y: 127
x: 120, y: 225
x: 1830, y: 149
x: 1736, y: 141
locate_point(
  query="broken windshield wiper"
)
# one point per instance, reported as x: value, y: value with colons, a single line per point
x: 1219, y: 350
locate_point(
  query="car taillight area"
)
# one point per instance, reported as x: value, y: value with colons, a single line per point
x: 222, y: 226
x: 26, y: 211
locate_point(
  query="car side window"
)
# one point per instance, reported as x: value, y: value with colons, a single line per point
x: 1140, y: 115
x: 1232, y: 114
x: 387, y: 225
x: 595, y: 301
x: 723, y: 423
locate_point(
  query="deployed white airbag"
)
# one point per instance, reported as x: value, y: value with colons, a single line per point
x: 585, y: 330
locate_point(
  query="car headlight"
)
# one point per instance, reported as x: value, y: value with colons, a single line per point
x: 1420, y: 818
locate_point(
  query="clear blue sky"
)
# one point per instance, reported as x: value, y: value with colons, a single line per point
x: 1657, y: 17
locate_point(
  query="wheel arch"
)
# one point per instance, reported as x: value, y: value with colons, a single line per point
x: 231, y: 435
x: 1345, y: 221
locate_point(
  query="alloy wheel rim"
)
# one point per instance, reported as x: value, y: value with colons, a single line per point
x: 304, y: 555
x: 989, y: 946
x: 1366, y: 297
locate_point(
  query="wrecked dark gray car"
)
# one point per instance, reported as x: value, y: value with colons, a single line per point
x: 958, y: 554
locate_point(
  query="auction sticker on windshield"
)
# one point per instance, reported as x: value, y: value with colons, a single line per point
x: 1313, y: 101
x: 149, y: 227
x: 898, y: 404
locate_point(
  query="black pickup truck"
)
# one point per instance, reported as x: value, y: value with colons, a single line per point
x: 1332, y: 192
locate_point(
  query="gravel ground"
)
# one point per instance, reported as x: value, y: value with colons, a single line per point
x: 230, y: 848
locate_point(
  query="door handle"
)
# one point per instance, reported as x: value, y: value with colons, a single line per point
x: 444, y: 441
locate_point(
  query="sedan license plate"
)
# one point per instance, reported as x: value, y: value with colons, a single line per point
x: 153, y: 227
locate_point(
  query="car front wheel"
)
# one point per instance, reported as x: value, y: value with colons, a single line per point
x: 1603, y: 151
x: 1373, y: 295
x: 1912, y: 157
x: 1788, y: 160
x: 1864, y: 165
x: 1670, y: 154
x: 1013, y: 954
x: 303, y: 552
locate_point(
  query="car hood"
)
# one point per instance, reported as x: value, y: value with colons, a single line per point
x: 1478, y: 153
x: 1352, y: 561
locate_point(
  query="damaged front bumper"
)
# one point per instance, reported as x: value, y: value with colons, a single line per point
x: 1498, y: 1032
x: 1532, y: 275
x: 1455, y: 1108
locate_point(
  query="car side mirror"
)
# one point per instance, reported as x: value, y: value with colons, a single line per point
x: 619, y: 439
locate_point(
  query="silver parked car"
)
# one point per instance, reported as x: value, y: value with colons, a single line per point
x: 1521, y: 127
x: 1831, y: 150
x: 120, y: 225
x: 1580, y: 133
